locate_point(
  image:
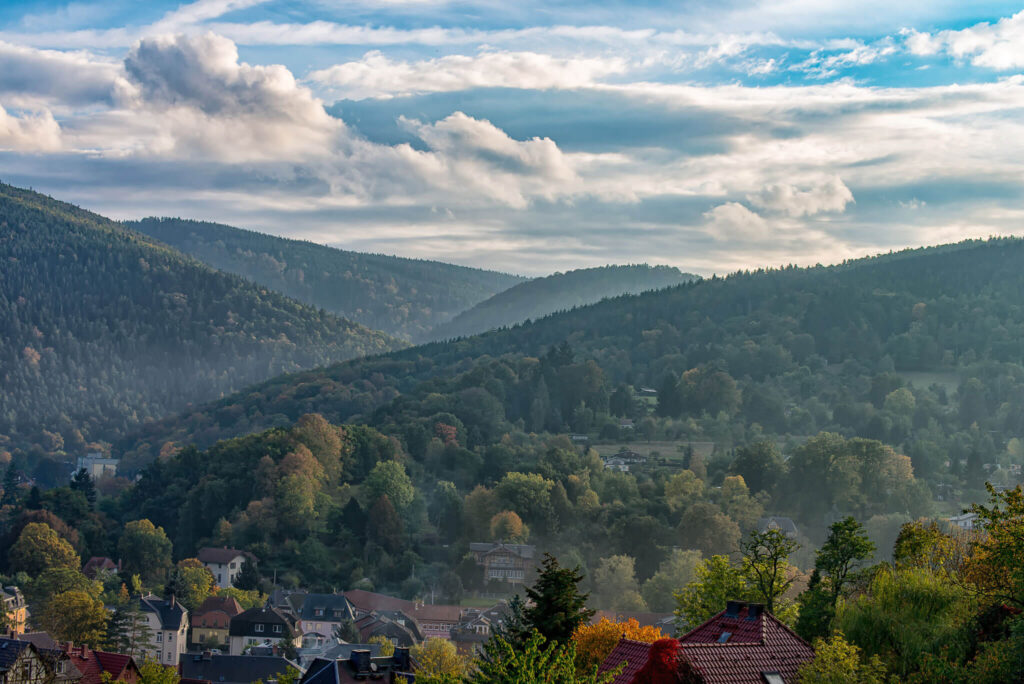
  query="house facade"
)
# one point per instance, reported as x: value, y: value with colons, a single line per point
x: 21, y: 663
x: 15, y: 609
x: 319, y: 615
x: 224, y: 563
x: 263, y: 625
x: 168, y: 622
x: 211, y: 622
x: 511, y: 563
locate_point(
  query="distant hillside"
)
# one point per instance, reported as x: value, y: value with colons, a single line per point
x: 558, y: 292
x: 403, y: 297
x: 104, y: 328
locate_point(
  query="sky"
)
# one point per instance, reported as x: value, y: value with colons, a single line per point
x: 530, y: 137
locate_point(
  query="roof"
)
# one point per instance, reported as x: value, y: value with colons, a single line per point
x: 368, y: 601
x: 785, y: 525
x: 757, y: 643
x: 229, y: 669
x: 92, y: 664
x: 344, y: 671
x: 334, y: 606
x: 344, y: 651
x: 643, y: 618
x: 632, y: 653
x: 521, y: 550
x: 265, y: 614
x: 97, y: 563
x: 171, y: 613
x: 220, y: 554
x: 11, y: 650
x: 227, y: 604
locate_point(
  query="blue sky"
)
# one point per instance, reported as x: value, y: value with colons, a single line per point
x: 530, y: 137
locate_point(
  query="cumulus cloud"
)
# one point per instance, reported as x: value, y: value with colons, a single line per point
x: 733, y: 221
x: 466, y: 153
x: 30, y: 133
x: 997, y: 46
x: 201, y: 98
x: 70, y: 78
x: 825, y: 195
x: 377, y: 76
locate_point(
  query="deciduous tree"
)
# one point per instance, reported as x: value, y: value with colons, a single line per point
x: 39, y: 548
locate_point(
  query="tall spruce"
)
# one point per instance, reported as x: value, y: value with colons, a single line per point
x: 558, y: 606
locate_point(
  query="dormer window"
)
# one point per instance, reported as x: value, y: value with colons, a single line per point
x: 277, y: 629
x: 258, y: 628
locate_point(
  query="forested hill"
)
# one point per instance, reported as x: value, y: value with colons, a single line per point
x: 558, y: 292
x: 104, y: 328
x: 403, y: 297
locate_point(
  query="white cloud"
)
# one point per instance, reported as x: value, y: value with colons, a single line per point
x: 997, y: 46
x: 823, y: 195
x: 377, y: 76
x: 733, y: 221
x: 70, y: 78
x: 30, y: 133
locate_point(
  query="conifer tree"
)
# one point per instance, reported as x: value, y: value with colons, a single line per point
x: 558, y: 605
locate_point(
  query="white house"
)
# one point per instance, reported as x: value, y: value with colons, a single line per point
x: 168, y: 623
x: 965, y: 521
x: 224, y: 563
x: 97, y: 465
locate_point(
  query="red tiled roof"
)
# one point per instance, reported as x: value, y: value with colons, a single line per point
x: 758, y: 645
x: 366, y: 601
x: 632, y: 653
x: 92, y: 665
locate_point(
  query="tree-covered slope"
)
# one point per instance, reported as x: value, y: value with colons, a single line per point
x: 558, y: 292
x: 780, y: 352
x: 104, y: 328
x: 403, y: 297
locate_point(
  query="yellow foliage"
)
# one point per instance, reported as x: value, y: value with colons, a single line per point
x: 595, y: 642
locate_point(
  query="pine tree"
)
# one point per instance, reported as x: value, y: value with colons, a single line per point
x: 10, y: 495
x: 248, y: 578
x: 82, y: 482
x: 558, y: 606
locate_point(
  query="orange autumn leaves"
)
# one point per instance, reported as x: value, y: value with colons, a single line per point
x: 594, y: 642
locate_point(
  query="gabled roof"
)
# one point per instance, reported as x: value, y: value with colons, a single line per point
x: 11, y: 650
x: 344, y: 671
x: 222, y: 554
x: 241, y: 624
x: 92, y: 664
x: 329, y: 604
x: 97, y: 563
x: 368, y: 601
x: 785, y: 525
x: 170, y: 613
x: 757, y: 643
x: 229, y: 669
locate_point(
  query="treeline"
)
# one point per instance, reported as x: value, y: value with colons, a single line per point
x: 403, y: 297
x: 558, y: 292
x: 104, y: 329
x: 920, y: 350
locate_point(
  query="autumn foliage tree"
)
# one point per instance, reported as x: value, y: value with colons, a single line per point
x: 595, y: 641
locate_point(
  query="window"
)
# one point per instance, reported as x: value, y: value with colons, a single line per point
x: 318, y: 612
x: 277, y: 629
x: 258, y: 628
x: 772, y: 678
x: 159, y: 637
x: 232, y: 566
x: 219, y: 580
x: 202, y: 637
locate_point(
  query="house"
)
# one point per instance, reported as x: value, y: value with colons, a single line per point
x: 232, y: 669
x: 476, y: 627
x: 741, y: 645
x: 54, y: 656
x: 168, y: 623
x: 626, y: 424
x: 319, y: 615
x: 263, y: 625
x: 21, y: 663
x: 774, y: 522
x: 15, y: 609
x: 616, y: 463
x: 393, y: 625
x: 965, y: 521
x: 362, y: 666
x: 100, y: 564
x: 224, y: 563
x: 211, y: 621
x: 664, y: 621
x: 95, y: 664
x: 509, y: 563
x: 96, y: 465
x: 430, y: 620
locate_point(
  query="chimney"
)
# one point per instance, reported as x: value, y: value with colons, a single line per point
x: 754, y: 611
x: 732, y: 608
x: 360, y: 660
x: 400, y: 659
